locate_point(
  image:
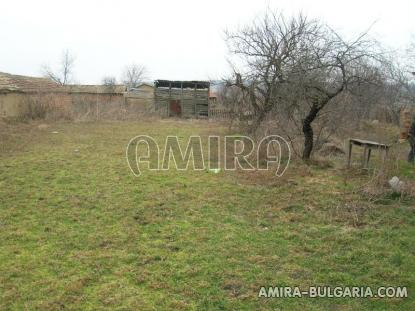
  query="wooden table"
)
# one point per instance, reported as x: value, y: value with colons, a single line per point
x: 368, y: 146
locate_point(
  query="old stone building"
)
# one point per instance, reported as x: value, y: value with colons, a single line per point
x: 33, y: 97
x: 20, y: 95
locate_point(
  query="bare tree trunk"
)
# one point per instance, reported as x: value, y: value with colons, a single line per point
x: 411, y: 155
x: 411, y: 139
x: 257, y: 121
x: 308, y: 132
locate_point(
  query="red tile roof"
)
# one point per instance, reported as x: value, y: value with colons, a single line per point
x: 25, y: 84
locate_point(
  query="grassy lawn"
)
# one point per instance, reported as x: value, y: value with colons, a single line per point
x: 79, y: 231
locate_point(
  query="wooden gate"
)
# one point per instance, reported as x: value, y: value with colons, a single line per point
x: 175, y: 108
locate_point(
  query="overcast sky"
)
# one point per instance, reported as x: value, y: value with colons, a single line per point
x: 173, y: 39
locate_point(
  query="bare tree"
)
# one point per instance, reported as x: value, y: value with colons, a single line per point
x: 411, y: 140
x: 266, y: 48
x: 334, y: 66
x: 411, y: 56
x: 64, y: 73
x: 110, y: 83
x: 133, y: 75
x: 297, y: 65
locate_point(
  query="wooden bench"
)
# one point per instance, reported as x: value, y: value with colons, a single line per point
x: 367, y: 150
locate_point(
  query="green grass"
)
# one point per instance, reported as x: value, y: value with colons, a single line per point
x: 79, y: 231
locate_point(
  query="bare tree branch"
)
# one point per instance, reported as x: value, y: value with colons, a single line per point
x: 296, y: 64
x: 64, y: 74
x: 133, y: 75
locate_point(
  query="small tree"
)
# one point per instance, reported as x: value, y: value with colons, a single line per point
x: 331, y: 68
x: 411, y: 136
x: 265, y: 51
x: 63, y: 75
x: 411, y: 57
x: 297, y: 65
x: 403, y: 76
x: 133, y: 75
x: 411, y: 140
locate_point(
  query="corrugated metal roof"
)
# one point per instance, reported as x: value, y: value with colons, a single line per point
x: 182, y: 84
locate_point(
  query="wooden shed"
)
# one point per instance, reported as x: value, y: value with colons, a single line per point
x: 188, y: 99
